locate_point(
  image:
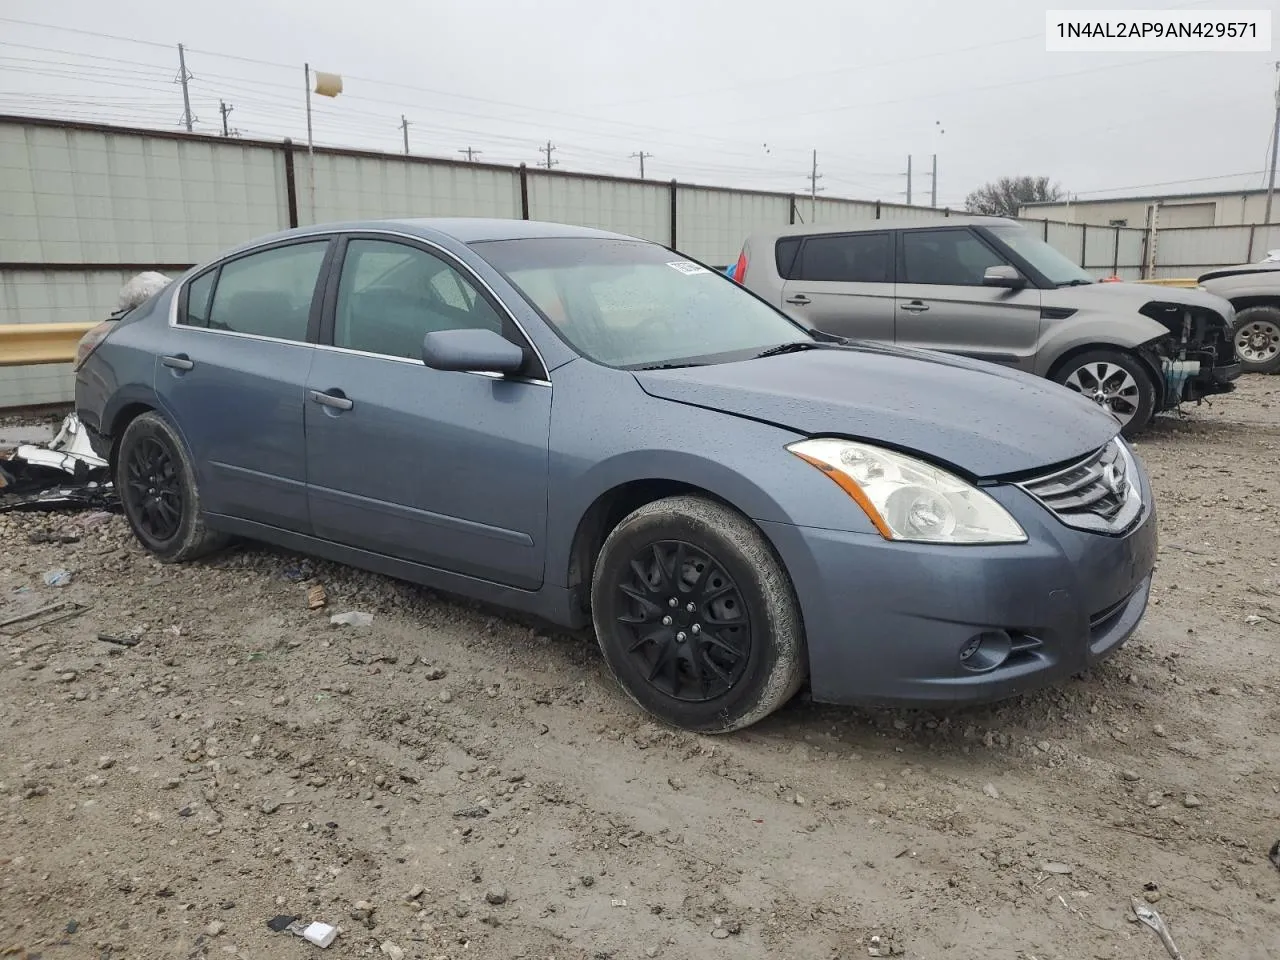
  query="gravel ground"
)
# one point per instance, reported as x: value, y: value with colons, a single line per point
x: 452, y: 783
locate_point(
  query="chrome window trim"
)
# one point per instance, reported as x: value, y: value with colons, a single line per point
x: 448, y: 256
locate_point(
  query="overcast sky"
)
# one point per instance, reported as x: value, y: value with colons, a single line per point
x: 735, y: 93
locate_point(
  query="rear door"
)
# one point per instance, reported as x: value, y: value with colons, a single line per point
x: 943, y: 305
x: 842, y: 284
x: 231, y: 374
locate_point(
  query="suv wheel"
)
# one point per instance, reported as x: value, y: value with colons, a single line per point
x: 1118, y: 382
x: 1257, y: 339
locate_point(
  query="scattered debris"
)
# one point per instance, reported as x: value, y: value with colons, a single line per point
x: 63, y: 473
x: 316, y: 597
x: 498, y: 896
x: 471, y: 813
x: 1150, y: 918
x: 879, y: 946
x: 1274, y: 855
x: 392, y: 950
x: 44, y: 536
x: 991, y: 791
x: 282, y: 922
x: 119, y: 641
x: 57, y: 578
x: 1058, y: 869
x: 352, y: 619
x: 63, y: 611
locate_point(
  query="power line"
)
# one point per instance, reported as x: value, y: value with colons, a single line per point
x: 548, y: 163
x: 642, y: 155
x: 471, y: 154
x: 184, y: 76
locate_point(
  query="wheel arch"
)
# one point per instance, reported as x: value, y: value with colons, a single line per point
x: 1258, y: 300
x: 1137, y: 353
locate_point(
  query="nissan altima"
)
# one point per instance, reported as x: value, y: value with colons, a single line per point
x: 598, y: 431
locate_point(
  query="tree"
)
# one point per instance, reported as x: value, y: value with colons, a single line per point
x: 1004, y: 197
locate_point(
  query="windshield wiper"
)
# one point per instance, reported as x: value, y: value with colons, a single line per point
x: 782, y: 348
x: 1074, y: 283
x: 666, y: 366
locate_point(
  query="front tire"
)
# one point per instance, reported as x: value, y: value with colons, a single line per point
x: 695, y: 616
x: 157, y: 488
x: 1256, y: 339
x: 1118, y: 382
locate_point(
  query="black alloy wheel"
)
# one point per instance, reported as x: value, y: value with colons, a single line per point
x: 687, y: 622
x: 152, y: 492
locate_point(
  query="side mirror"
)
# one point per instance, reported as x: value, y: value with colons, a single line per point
x: 476, y: 351
x: 1004, y: 276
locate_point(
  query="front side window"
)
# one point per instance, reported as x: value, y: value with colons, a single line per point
x: 1057, y: 268
x: 391, y: 295
x: 267, y: 294
x: 951, y: 257
x: 854, y: 258
x: 628, y: 303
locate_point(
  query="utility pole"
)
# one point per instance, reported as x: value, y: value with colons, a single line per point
x: 225, y: 109
x: 548, y: 163
x: 188, y: 119
x: 404, y: 125
x: 814, y: 177
x: 471, y: 154
x: 642, y: 156
x: 908, y: 180
x: 1275, y: 145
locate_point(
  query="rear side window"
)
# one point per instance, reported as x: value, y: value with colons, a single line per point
x: 268, y: 294
x: 785, y: 256
x: 952, y: 257
x: 853, y: 258
x: 198, y: 295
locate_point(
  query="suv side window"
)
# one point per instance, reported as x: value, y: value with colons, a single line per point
x: 784, y: 256
x: 198, y: 296
x: 852, y: 258
x: 267, y: 294
x: 391, y: 295
x: 952, y: 257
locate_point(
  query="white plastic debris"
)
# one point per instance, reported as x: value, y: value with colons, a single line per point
x: 352, y: 619
x: 140, y: 288
x: 65, y: 451
x: 321, y: 934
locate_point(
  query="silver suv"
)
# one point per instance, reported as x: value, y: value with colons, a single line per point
x: 986, y: 287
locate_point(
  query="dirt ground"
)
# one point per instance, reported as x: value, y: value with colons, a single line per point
x: 452, y: 783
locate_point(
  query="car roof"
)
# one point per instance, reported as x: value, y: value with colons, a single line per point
x: 463, y: 229
x: 869, y: 226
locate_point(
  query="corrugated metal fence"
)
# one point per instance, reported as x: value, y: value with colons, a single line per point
x: 83, y: 207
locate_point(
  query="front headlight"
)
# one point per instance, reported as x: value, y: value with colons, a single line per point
x: 908, y: 499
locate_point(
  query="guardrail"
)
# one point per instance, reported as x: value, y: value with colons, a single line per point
x: 27, y: 344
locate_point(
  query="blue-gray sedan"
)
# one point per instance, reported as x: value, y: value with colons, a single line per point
x: 596, y: 430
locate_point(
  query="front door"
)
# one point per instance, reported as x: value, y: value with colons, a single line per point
x: 233, y: 372
x: 843, y: 284
x: 942, y: 304
x: 440, y: 468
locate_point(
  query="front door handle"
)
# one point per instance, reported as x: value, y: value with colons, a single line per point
x: 915, y: 306
x: 332, y: 399
x: 799, y: 300
x: 179, y: 362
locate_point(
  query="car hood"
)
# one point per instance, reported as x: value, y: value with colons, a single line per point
x: 1132, y: 297
x: 982, y: 419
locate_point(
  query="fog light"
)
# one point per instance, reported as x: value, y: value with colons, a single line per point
x: 986, y: 651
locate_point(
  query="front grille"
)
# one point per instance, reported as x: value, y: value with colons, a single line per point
x: 1097, y: 494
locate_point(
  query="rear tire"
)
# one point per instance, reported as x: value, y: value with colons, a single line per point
x: 1256, y: 339
x: 1118, y: 382
x: 695, y: 616
x: 157, y: 487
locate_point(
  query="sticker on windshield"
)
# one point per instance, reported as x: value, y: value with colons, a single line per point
x: 687, y: 267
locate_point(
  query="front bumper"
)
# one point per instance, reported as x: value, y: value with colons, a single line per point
x: 886, y: 623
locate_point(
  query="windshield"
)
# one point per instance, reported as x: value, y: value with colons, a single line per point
x: 628, y: 303
x: 1059, y: 270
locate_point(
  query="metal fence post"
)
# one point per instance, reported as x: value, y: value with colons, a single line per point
x: 290, y: 184
x: 1115, y: 256
x: 1084, y: 245
x: 524, y: 192
x: 675, y: 190
x: 877, y: 209
x: 791, y: 213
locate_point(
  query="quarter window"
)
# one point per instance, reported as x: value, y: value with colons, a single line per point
x: 391, y: 295
x: 198, y: 293
x: 267, y: 294
x: 854, y: 258
x: 951, y: 257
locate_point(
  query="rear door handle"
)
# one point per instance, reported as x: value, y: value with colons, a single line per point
x: 179, y: 362
x: 334, y: 400
x: 915, y: 306
x: 799, y: 300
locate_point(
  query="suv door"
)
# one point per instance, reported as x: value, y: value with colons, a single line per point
x: 231, y: 374
x: 417, y: 463
x: 943, y: 305
x: 841, y: 283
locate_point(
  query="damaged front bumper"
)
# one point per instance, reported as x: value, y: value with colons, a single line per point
x: 66, y: 473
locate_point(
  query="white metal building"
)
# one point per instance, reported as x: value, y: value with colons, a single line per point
x: 1241, y: 207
